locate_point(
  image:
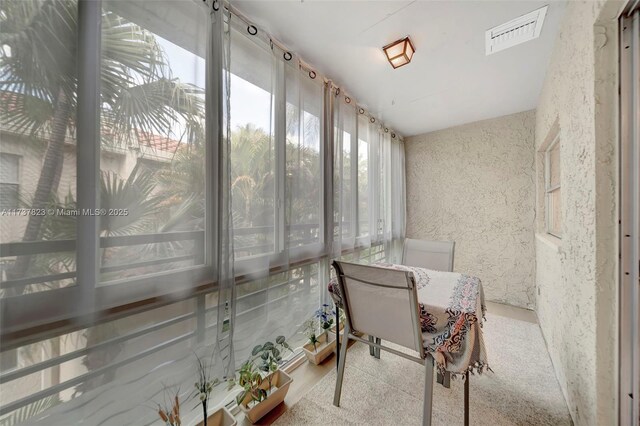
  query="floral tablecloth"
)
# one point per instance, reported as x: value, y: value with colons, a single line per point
x: 452, y: 310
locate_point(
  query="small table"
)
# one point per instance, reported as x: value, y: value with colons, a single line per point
x: 452, y: 310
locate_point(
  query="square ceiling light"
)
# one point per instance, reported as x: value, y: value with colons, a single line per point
x: 399, y: 52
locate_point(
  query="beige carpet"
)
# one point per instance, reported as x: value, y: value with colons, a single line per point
x: 522, y: 390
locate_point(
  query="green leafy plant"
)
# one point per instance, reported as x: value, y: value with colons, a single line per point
x: 265, y: 358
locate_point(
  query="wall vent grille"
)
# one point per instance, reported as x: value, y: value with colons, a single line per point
x: 519, y: 30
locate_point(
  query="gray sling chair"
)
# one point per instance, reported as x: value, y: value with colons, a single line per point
x: 434, y: 255
x: 382, y: 302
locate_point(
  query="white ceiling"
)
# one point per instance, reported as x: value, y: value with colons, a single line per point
x: 449, y: 82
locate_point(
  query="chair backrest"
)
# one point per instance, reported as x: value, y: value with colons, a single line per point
x: 381, y: 302
x: 435, y: 255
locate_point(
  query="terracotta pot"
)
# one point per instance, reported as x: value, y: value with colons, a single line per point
x: 281, y: 381
x: 221, y: 417
x: 325, y: 347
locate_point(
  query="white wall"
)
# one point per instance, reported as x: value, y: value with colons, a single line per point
x: 576, y: 276
x: 474, y: 184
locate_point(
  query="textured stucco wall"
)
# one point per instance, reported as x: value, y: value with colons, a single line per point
x: 474, y: 184
x: 576, y: 276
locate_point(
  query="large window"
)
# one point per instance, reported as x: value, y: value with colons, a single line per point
x: 39, y: 105
x: 153, y: 148
x: 109, y: 133
x: 145, y: 144
x: 303, y: 175
x: 345, y: 172
x: 253, y: 151
x: 553, y: 204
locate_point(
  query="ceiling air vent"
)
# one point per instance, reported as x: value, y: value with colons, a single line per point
x: 519, y: 30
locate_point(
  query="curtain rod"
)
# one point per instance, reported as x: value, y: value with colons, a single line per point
x: 304, y: 65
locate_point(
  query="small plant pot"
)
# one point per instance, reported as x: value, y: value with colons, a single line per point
x: 325, y: 347
x: 221, y: 417
x: 281, y: 381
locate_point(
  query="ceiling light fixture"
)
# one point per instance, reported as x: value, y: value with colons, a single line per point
x: 399, y: 52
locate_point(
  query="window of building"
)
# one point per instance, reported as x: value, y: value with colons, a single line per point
x: 8, y: 360
x: 553, y: 206
x: 9, y: 181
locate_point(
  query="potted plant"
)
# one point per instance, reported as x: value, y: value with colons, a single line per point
x: 204, y: 386
x: 321, y: 343
x: 325, y: 316
x: 264, y: 384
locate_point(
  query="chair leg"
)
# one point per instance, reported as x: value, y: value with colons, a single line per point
x: 372, y: 350
x: 377, y: 350
x: 343, y: 358
x: 428, y: 392
x: 466, y: 399
x: 337, y: 338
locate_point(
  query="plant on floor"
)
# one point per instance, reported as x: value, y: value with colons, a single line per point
x: 169, y: 410
x: 325, y: 316
x: 205, y: 384
x: 265, y: 358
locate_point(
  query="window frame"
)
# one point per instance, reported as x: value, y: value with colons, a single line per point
x: 15, y: 184
x: 89, y: 296
x: 548, y: 189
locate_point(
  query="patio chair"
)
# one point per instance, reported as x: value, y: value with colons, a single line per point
x: 435, y: 255
x: 384, y: 303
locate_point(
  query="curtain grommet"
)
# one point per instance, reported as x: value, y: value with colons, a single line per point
x: 386, y: 130
x: 347, y: 99
x: 287, y: 56
x: 393, y: 135
x: 337, y: 91
x: 216, y: 5
x: 361, y: 110
x: 372, y: 120
x: 312, y: 74
x: 251, y: 29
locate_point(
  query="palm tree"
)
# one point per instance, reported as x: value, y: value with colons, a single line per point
x: 38, y: 84
x: 252, y: 176
x: 253, y: 180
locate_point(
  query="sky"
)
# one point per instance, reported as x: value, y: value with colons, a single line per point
x: 249, y: 103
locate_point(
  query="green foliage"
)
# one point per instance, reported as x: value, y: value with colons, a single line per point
x: 264, y: 359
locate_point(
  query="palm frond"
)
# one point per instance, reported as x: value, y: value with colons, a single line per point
x: 29, y: 411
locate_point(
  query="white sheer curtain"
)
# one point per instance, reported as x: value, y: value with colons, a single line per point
x: 277, y: 190
x: 155, y: 141
x: 398, y: 199
x: 345, y: 173
x: 242, y: 173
